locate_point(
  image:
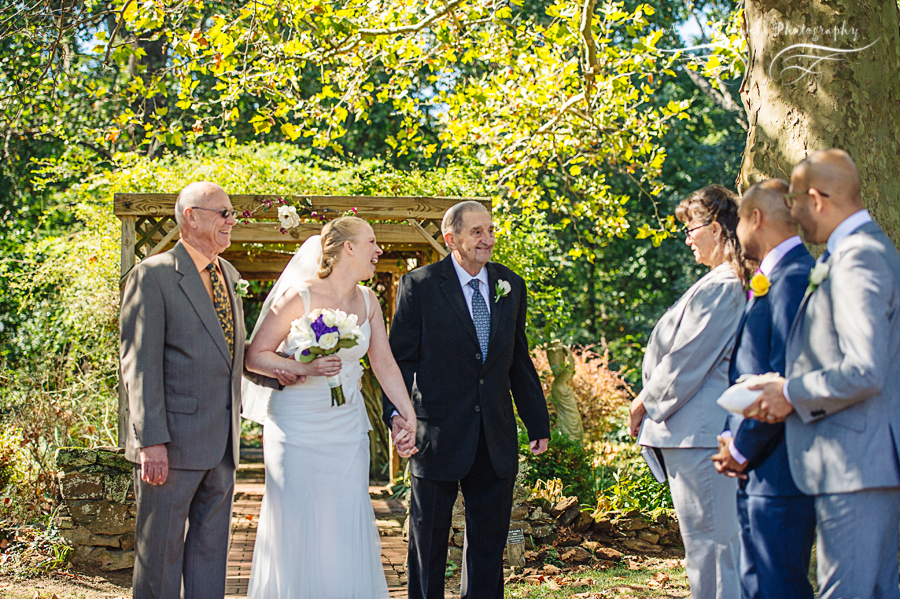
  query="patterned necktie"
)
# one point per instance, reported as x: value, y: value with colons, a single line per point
x: 482, y: 319
x: 223, y: 307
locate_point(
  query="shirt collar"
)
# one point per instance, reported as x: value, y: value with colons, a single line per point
x: 465, y: 277
x: 778, y: 252
x: 200, y: 261
x: 850, y: 224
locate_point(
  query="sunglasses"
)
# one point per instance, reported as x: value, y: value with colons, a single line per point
x: 224, y: 212
x: 790, y: 198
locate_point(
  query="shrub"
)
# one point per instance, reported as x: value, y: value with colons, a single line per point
x: 601, y: 393
x: 565, y: 459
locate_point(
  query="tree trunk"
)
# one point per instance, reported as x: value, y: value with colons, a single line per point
x: 845, y: 94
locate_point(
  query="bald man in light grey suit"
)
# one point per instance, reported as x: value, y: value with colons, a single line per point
x: 182, y: 351
x: 841, y: 396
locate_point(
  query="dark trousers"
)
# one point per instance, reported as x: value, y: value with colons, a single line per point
x: 776, y: 541
x: 488, y: 506
x: 168, y: 563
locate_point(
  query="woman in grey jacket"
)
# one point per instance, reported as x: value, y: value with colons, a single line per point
x: 685, y: 370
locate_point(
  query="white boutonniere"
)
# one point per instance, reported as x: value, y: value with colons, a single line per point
x: 241, y: 287
x: 816, y: 276
x: 503, y: 288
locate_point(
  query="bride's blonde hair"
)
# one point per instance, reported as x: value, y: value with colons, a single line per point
x: 334, y: 234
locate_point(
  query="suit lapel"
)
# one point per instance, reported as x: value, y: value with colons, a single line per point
x: 798, y: 320
x: 196, y: 293
x: 453, y: 291
x: 495, y: 305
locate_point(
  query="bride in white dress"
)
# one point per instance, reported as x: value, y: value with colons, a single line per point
x: 317, y: 537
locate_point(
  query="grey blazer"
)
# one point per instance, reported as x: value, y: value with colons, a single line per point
x: 183, y: 387
x: 685, y: 367
x: 844, y: 381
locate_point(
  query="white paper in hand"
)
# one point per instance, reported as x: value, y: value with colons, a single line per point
x: 738, y: 398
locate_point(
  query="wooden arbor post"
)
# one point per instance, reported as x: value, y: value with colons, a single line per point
x: 407, y: 228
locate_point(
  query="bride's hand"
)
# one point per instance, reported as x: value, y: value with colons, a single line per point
x: 324, y: 366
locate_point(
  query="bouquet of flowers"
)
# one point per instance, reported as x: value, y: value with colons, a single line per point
x: 323, y: 333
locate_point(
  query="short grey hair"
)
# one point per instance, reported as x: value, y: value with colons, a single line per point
x: 194, y: 194
x: 453, y: 218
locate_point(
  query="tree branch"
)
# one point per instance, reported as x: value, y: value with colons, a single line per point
x: 724, y: 101
x: 589, y: 63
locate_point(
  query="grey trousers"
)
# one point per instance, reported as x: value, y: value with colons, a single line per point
x: 706, y: 506
x: 169, y: 563
x: 857, y: 544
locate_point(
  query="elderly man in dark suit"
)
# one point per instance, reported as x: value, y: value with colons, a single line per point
x: 840, y: 397
x: 459, y: 338
x: 181, y: 350
x: 778, y: 521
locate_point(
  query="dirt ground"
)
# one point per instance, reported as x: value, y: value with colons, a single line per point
x: 72, y: 583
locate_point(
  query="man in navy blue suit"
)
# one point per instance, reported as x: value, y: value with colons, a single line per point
x: 777, y: 520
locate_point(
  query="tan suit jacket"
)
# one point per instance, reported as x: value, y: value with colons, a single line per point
x: 182, y: 383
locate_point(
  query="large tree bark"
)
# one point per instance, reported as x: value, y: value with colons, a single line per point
x: 847, y: 98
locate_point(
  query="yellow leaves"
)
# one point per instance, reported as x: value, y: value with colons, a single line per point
x: 112, y: 135
x: 575, y: 170
x: 290, y: 131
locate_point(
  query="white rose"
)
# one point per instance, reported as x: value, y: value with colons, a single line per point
x: 297, y: 341
x: 348, y: 326
x: 288, y: 217
x: 333, y: 318
x: 818, y: 274
x: 504, y: 287
x: 329, y: 340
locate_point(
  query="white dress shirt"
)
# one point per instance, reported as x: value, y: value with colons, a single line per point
x: 468, y: 292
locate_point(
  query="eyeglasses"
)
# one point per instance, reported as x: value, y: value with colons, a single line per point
x: 790, y: 198
x: 224, y: 212
x: 688, y: 232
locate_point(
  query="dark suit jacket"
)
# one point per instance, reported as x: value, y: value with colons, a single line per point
x: 760, y: 348
x: 435, y: 344
x: 183, y: 385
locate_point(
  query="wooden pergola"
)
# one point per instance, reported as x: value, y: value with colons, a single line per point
x: 407, y: 228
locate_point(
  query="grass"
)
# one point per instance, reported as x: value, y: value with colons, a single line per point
x: 633, y: 578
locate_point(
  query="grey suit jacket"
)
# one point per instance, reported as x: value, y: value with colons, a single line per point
x: 183, y: 386
x: 685, y: 367
x: 844, y: 379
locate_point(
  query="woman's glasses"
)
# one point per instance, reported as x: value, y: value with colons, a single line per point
x: 688, y: 233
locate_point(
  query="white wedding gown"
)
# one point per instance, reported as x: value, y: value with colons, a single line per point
x: 317, y: 537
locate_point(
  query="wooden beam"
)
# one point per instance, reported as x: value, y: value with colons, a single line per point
x: 368, y: 207
x: 269, y: 233
x: 427, y: 236
x: 129, y: 235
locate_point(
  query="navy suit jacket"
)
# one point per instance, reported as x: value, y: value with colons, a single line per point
x: 760, y: 348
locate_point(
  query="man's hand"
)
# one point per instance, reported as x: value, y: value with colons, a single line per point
x: 404, y: 440
x: 636, y: 416
x: 539, y: 446
x: 154, y: 464
x: 288, y: 378
x: 771, y: 406
x: 725, y: 463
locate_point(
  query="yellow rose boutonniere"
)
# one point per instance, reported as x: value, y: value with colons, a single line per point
x: 759, y: 285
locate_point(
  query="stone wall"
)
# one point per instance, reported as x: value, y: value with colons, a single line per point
x: 579, y: 537
x: 97, y: 508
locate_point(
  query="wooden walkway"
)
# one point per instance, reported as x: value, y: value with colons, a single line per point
x: 248, y: 494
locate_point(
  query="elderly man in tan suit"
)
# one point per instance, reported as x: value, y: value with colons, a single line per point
x: 182, y: 351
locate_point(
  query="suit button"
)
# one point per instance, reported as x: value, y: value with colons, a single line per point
x: 477, y: 408
x: 477, y: 356
x: 228, y: 407
x: 481, y: 382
